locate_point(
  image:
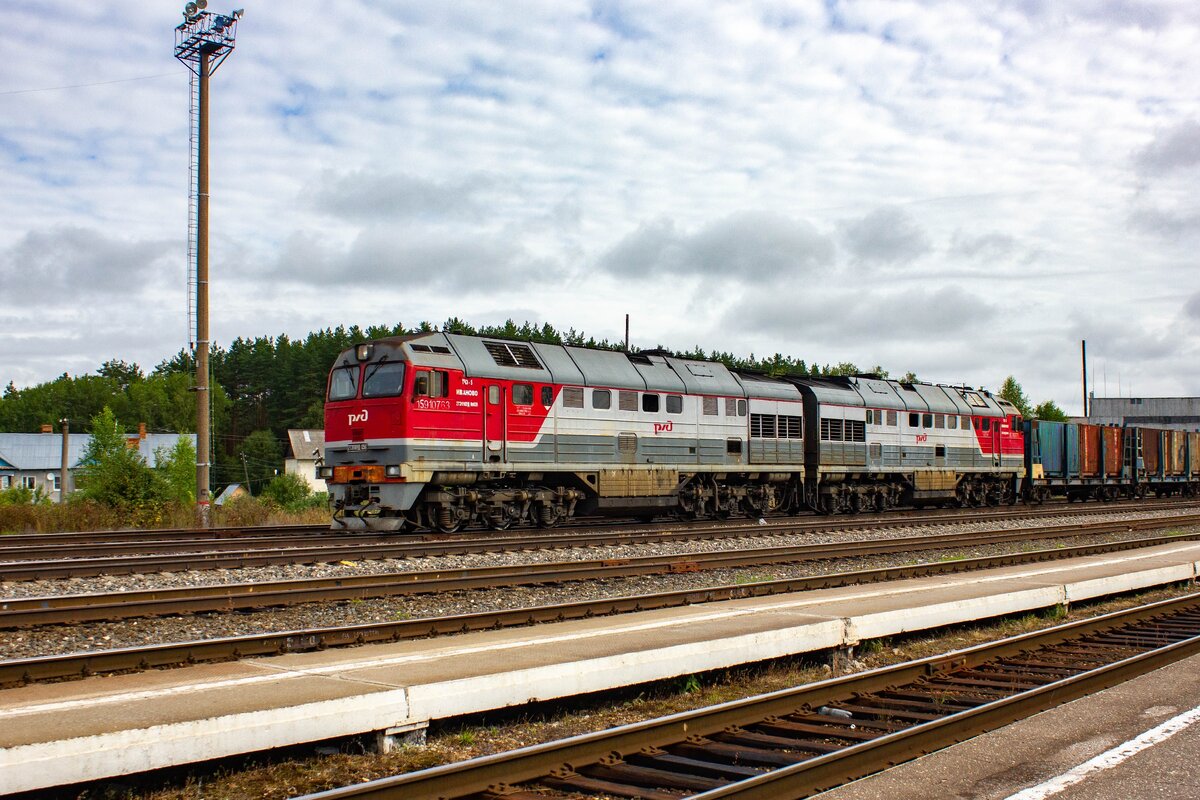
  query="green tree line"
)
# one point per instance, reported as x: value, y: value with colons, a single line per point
x: 265, y: 385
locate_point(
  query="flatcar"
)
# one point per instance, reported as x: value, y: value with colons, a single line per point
x: 1081, y: 461
x: 440, y: 431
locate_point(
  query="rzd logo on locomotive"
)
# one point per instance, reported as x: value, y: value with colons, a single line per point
x: 663, y: 427
x: 359, y: 417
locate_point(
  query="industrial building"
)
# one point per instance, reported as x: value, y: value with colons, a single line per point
x: 1180, y: 413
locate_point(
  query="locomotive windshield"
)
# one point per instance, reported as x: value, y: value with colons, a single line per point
x: 384, y: 379
x: 343, y: 384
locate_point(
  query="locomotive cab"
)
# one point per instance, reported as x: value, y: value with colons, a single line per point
x: 365, y: 447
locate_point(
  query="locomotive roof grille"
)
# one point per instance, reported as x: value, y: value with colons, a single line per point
x: 512, y: 354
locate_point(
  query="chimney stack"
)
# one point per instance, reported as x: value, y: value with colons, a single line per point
x: 47, y: 429
x: 142, y: 431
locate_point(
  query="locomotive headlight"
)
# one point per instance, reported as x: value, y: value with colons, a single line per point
x: 392, y: 471
x: 324, y: 472
x: 363, y: 351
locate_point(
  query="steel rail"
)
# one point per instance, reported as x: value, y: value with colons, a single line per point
x: 88, y: 567
x: 137, y: 534
x: 40, y: 552
x: 775, y: 745
x: 63, y: 609
x: 77, y: 665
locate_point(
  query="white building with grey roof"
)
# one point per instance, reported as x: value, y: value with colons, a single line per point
x: 34, y: 460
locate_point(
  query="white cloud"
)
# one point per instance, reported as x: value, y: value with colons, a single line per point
x: 960, y: 189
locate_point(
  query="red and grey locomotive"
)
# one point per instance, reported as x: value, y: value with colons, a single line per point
x: 440, y: 430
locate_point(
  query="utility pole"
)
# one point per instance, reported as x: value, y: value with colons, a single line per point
x: 1083, y: 354
x: 64, y: 474
x: 202, y: 42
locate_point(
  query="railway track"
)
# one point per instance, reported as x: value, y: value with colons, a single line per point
x: 58, y: 667
x: 148, y: 541
x: 800, y: 741
x: 66, y: 609
x: 351, y: 547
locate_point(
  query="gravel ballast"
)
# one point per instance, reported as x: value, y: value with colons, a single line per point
x: 52, y: 640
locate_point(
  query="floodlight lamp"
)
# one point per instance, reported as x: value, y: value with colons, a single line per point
x: 237, y: 13
x: 190, y: 10
x: 201, y: 4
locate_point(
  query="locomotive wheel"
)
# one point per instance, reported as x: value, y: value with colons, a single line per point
x: 856, y: 503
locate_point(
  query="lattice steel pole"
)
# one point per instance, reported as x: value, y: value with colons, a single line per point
x: 202, y: 42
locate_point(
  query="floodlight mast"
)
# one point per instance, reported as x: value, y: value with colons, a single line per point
x: 202, y: 41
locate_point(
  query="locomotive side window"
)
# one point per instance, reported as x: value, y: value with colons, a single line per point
x: 914, y: 420
x: 741, y: 407
x: 386, y: 379
x: 522, y: 394
x: 572, y: 397
x: 927, y: 420
x: 966, y: 423
x: 343, y: 384
x: 710, y: 406
x: 674, y: 404
x: 731, y: 408
x: 494, y: 395
x: 650, y: 403
x: 428, y: 383
x: 891, y: 419
x: 601, y: 398
x: 987, y: 424
x: 870, y: 416
x: 627, y: 401
x: 952, y: 421
x: 939, y: 420
x: 547, y: 396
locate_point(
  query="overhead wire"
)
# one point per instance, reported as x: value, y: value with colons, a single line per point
x: 86, y: 85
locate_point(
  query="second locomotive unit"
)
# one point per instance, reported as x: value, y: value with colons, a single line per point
x: 440, y: 430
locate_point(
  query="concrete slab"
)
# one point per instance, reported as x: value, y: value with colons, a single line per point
x: 100, y: 727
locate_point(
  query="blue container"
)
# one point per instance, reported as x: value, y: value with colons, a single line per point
x: 1051, y: 438
x: 1071, y: 435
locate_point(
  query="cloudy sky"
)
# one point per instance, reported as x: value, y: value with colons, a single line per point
x: 965, y: 190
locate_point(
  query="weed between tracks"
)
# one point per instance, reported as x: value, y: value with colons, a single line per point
x: 302, y: 770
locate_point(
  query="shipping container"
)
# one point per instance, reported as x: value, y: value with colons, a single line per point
x: 1151, y: 447
x: 1112, y: 440
x: 1176, y: 455
x: 1089, y: 450
x: 1051, y: 437
x: 1071, y: 453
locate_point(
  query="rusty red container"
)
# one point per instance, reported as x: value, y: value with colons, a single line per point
x: 1151, y: 447
x: 1113, y: 441
x: 1176, y: 455
x: 1089, y: 450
